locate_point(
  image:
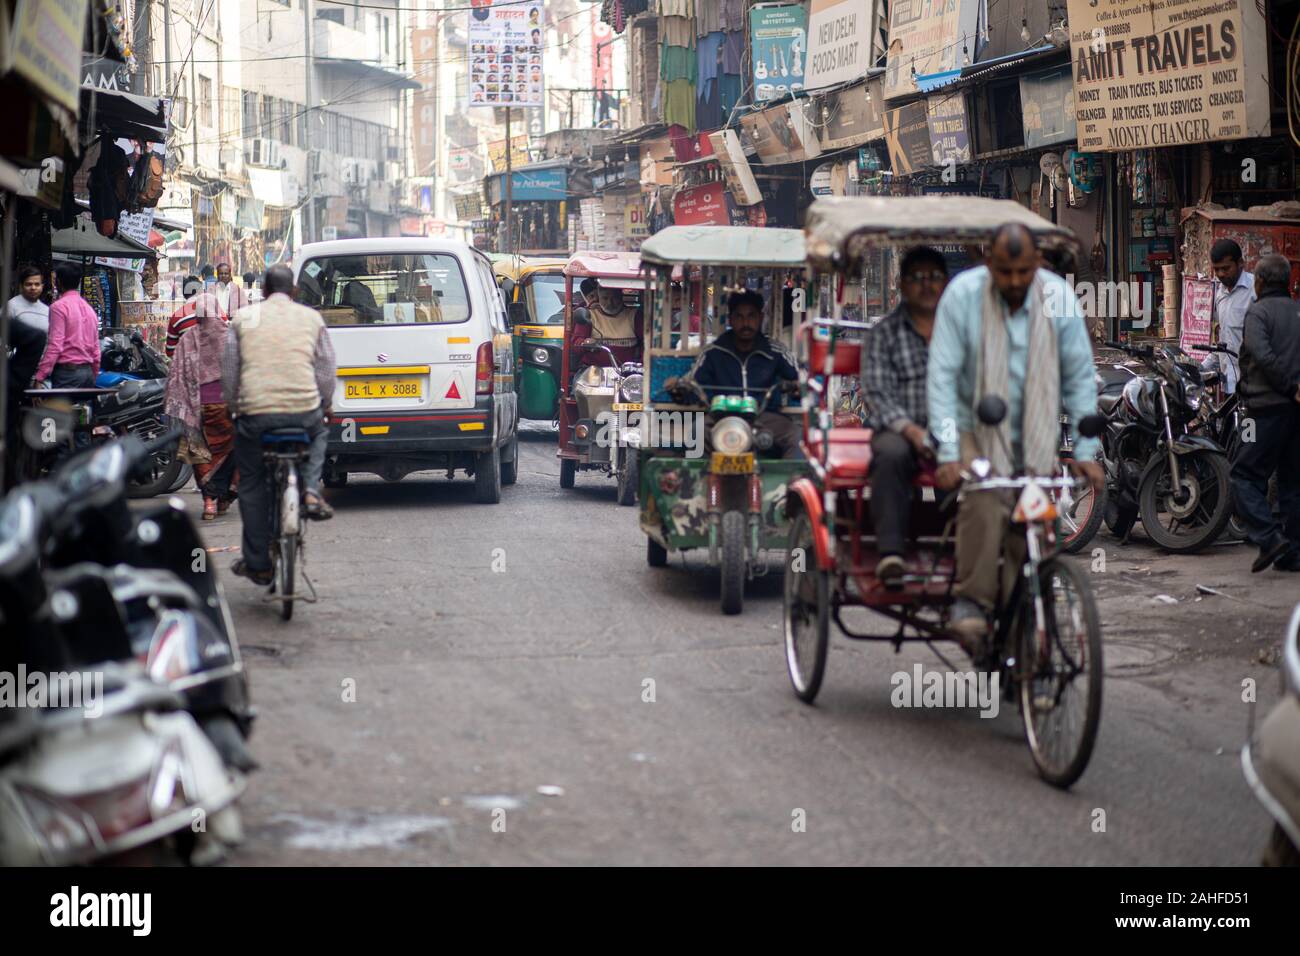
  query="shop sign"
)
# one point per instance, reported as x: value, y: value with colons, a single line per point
x: 839, y: 41
x: 531, y: 186
x: 1197, y: 313
x: 945, y: 115
x: 702, y: 205
x: 907, y: 137
x: 780, y: 134
x: 1150, y: 73
x: 133, y: 225
x: 518, y: 152
x: 778, y: 47
x: 928, y: 38
x: 505, y: 54
x: 820, y: 181
x: 852, y: 115
x: 424, y: 103
x: 1047, y: 107
x: 735, y: 167
x: 45, y: 47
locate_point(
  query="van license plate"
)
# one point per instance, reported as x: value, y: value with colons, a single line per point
x: 722, y: 464
x: 394, y: 387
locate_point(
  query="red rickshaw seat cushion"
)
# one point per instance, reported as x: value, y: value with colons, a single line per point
x: 848, y: 457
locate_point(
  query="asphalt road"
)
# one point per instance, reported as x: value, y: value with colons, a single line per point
x: 496, y: 657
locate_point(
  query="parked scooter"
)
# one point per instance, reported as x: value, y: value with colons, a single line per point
x: 1175, y: 481
x: 138, y: 373
x: 1271, y: 758
x: 169, y: 602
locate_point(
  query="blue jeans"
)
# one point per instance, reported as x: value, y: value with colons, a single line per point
x: 255, y: 477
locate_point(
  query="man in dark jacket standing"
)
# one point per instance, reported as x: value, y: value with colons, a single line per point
x: 1270, y: 391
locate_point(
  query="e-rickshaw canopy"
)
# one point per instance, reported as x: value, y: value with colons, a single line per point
x: 837, y: 225
x: 613, y: 270
x: 760, y: 247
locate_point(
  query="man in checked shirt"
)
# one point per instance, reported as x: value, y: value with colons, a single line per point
x: 893, y: 380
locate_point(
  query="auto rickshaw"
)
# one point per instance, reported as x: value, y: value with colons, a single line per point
x: 600, y: 371
x: 730, y: 502
x: 534, y: 292
x: 1044, y: 648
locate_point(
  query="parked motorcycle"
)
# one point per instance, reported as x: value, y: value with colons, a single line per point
x: 1174, y: 480
x: 160, y: 588
x: 138, y: 373
x: 1271, y: 758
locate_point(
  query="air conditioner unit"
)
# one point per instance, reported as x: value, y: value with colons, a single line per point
x: 354, y: 173
x: 263, y: 152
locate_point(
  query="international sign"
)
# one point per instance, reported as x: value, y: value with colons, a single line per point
x: 505, y: 54
x: 1150, y: 73
x: 927, y: 38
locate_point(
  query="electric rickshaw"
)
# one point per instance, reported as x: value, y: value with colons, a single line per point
x: 600, y: 369
x: 729, y: 502
x: 1044, y: 646
x: 534, y: 291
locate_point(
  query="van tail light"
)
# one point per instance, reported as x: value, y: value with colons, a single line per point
x: 483, y: 370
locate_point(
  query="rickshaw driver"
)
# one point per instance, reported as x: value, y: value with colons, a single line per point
x: 1012, y: 329
x: 893, y: 382
x: 744, y: 361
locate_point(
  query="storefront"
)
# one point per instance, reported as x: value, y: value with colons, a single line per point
x: 539, y: 208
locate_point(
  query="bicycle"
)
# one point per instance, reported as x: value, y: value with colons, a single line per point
x: 285, y: 449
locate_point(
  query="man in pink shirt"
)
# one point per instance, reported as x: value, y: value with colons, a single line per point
x: 71, y: 358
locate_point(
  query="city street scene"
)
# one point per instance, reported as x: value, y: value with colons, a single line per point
x: 651, y: 433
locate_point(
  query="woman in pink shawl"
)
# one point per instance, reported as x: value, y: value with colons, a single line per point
x: 194, y: 399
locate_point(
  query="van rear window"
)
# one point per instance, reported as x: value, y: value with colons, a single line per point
x: 385, y: 289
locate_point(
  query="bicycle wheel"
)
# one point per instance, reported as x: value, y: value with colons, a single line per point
x: 285, y: 569
x: 807, y: 613
x: 1060, y: 675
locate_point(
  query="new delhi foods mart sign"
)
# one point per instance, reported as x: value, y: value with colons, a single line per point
x: 1151, y: 73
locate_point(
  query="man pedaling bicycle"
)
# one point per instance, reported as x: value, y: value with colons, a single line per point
x: 278, y: 372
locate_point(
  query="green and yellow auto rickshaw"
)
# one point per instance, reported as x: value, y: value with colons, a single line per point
x: 730, y: 501
x: 534, y: 292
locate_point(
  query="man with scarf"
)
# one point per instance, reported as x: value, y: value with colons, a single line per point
x: 1011, y: 329
x: 194, y: 398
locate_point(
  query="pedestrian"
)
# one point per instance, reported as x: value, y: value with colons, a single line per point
x: 1233, y: 294
x: 183, y: 319
x: 208, y: 275
x: 229, y: 295
x: 27, y: 306
x: 250, y: 288
x: 277, y: 372
x: 1013, y: 330
x: 194, y: 398
x: 71, y: 358
x: 28, y: 344
x: 1270, y: 392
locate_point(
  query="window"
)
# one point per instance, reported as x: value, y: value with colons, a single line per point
x: 249, y: 115
x: 205, y: 101
x: 230, y: 107
x: 266, y: 118
x: 385, y: 289
x: 545, y: 298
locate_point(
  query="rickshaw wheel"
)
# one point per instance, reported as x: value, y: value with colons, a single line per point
x: 568, y: 472
x: 628, y: 476
x: 733, y: 562
x: 806, y: 608
x: 656, y: 555
x: 1060, y: 684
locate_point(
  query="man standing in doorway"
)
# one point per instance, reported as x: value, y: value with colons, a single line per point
x: 27, y: 306
x: 1233, y: 293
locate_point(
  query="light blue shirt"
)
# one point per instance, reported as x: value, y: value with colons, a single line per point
x: 1230, y: 307
x: 955, y: 347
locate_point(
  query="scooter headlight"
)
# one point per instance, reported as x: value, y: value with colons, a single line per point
x: 732, y: 436
x: 632, y: 388
x: 1194, y: 393
x: 60, y: 824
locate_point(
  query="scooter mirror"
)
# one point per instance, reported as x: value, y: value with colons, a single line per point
x: 1091, y: 426
x: 991, y: 410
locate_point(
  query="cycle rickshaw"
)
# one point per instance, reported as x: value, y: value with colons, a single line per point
x: 1045, y: 644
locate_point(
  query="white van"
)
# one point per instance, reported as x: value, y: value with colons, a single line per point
x: 425, y: 366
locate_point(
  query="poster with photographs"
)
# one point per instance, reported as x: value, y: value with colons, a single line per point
x: 505, y: 53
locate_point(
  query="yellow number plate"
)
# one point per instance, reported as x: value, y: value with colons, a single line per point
x: 627, y: 406
x: 721, y: 464
x: 395, y: 387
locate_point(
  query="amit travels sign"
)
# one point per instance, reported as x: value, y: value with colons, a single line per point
x: 1151, y: 73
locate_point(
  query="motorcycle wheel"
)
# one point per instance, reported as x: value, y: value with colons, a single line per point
x: 628, y: 476
x: 733, y: 562
x: 1196, y: 523
x: 164, y: 469
x: 1084, y: 520
x: 187, y: 472
x: 806, y: 605
x: 568, y: 472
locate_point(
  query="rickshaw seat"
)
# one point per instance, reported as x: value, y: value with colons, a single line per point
x: 848, y: 459
x: 848, y: 355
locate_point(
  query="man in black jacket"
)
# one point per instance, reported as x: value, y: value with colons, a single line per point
x: 1270, y: 391
x: 744, y: 361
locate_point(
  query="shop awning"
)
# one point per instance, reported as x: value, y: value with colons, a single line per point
x: 82, y: 239
x: 122, y: 114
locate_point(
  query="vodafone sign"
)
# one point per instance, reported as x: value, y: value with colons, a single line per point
x: 702, y: 205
